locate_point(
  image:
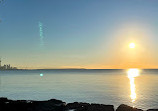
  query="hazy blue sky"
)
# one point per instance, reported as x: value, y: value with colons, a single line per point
x: 79, y: 33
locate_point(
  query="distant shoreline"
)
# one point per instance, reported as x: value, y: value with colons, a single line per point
x: 69, y: 69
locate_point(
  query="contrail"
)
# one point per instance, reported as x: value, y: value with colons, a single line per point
x: 41, y: 33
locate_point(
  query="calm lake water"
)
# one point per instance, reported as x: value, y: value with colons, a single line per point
x: 94, y: 86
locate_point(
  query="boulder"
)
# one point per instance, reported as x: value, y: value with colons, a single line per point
x: 152, y: 110
x: 88, y: 107
x: 3, y: 99
x: 50, y: 105
x: 24, y: 105
x: 124, y: 107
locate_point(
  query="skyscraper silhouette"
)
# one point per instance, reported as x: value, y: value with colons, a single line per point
x: 0, y: 62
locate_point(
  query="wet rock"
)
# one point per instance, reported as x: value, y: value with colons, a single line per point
x: 124, y: 107
x: 88, y: 107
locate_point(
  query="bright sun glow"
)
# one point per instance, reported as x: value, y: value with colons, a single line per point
x: 132, y: 45
x: 132, y: 73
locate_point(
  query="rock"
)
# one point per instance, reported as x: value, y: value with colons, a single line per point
x: 76, y: 106
x: 23, y: 105
x: 58, y: 105
x: 124, y: 107
x: 3, y: 99
x: 152, y: 110
x: 50, y: 105
x: 88, y: 107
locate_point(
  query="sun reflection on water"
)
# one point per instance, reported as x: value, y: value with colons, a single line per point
x: 132, y: 73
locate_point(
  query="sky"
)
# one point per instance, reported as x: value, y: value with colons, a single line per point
x: 92, y: 34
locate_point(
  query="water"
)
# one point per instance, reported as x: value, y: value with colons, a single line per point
x: 93, y: 86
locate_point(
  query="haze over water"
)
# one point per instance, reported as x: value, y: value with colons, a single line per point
x: 94, y: 86
x: 90, y: 34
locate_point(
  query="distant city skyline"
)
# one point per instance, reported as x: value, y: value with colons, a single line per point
x: 92, y: 34
x: 6, y: 66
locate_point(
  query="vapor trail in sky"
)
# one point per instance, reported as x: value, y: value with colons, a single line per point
x: 41, y: 33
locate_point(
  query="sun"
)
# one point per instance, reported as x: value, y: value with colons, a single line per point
x: 132, y: 45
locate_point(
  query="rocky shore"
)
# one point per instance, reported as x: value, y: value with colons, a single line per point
x: 58, y: 105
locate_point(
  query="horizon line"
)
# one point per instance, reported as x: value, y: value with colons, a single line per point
x: 84, y: 68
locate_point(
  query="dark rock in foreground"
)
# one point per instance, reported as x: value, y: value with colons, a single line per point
x: 152, y: 110
x: 23, y: 105
x: 50, y: 105
x: 89, y: 107
x: 58, y: 105
x: 124, y: 107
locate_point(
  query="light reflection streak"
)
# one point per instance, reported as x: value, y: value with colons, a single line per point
x: 132, y: 73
